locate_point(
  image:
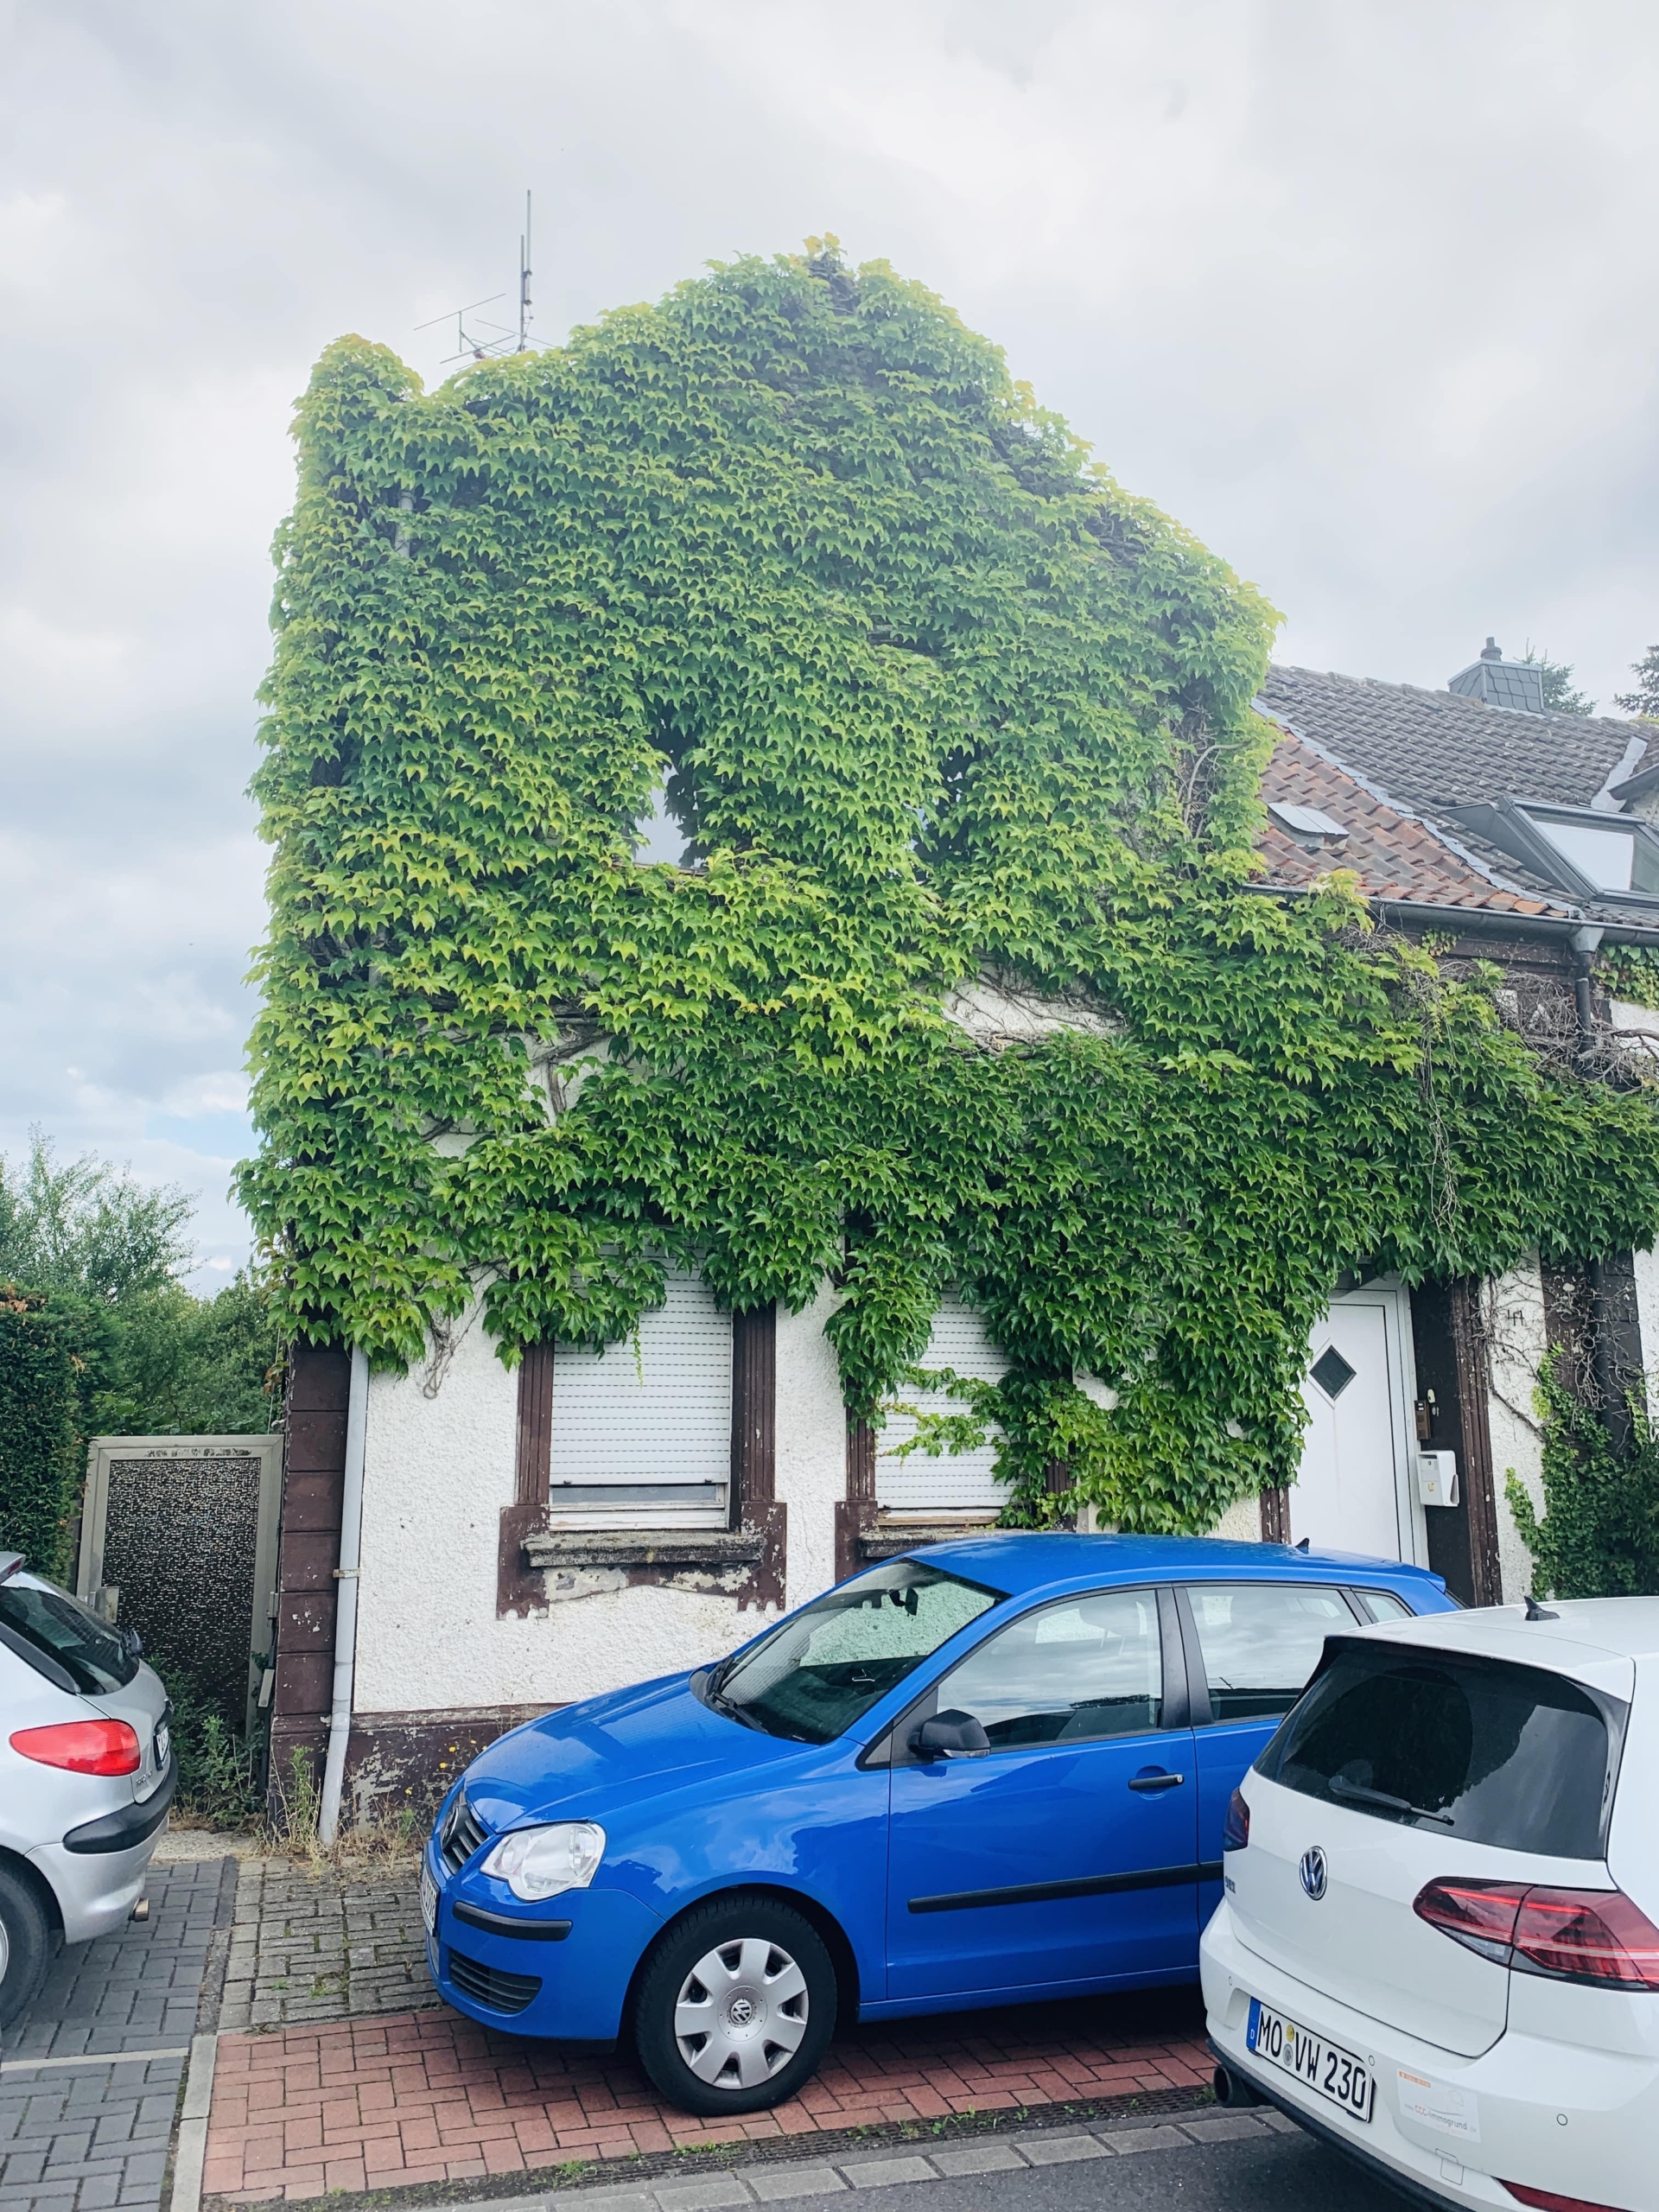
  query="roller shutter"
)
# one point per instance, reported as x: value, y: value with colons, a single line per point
x: 954, y: 1481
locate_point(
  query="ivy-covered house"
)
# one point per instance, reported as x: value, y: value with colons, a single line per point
x: 772, y: 898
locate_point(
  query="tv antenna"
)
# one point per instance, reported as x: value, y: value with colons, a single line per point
x: 486, y: 338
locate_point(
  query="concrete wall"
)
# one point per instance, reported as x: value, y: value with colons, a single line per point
x: 437, y: 1471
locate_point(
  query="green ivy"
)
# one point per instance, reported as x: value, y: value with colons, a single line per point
x: 1631, y: 972
x: 933, y: 697
x: 1600, y: 1536
x: 39, y: 1457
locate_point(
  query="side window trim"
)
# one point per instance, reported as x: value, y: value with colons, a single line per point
x: 891, y: 1748
x: 1357, y: 1604
x: 1178, y: 1674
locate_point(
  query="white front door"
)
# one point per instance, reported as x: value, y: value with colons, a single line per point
x: 1354, y: 1491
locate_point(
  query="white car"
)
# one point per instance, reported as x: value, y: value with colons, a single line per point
x: 87, y: 1772
x: 1438, y: 1944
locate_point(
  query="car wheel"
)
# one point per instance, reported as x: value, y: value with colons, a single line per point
x: 735, y: 2006
x: 25, y: 1945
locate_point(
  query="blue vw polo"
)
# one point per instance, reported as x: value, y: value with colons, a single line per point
x: 992, y: 1771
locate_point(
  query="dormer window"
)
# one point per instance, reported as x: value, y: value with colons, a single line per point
x: 1312, y: 829
x: 1582, y: 851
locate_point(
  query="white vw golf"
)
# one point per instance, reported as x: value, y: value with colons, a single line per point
x: 1437, y: 1946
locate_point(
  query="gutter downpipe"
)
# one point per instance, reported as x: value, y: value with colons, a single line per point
x: 1602, y: 1365
x: 350, y: 1543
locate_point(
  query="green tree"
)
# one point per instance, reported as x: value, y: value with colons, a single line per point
x: 1644, y: 700
x: 1560, y: 696
x: 87, y: 1228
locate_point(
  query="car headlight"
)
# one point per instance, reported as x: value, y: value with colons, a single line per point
x: 541, y: 1862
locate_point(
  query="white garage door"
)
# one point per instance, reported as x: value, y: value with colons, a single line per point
x: 954, y: 1481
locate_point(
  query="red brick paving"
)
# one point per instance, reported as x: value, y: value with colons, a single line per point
x: 384, y: 2102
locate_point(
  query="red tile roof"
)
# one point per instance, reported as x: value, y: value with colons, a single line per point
x: 1395, y: 854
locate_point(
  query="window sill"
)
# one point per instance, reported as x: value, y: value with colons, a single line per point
x: 891, y: 1540
x: 645, y: 1547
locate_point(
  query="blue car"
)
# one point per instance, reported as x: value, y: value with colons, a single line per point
x: 992, y: 1772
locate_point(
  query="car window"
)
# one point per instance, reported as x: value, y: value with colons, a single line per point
x: 822, y: 1669
x: 48, y: 1620
x: 1075, y: 1671
x: 1386, y: 1605
x: 1473, y: 1748
x: 1260, y: 1641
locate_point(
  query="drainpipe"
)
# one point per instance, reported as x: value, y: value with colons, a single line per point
x: 1584, y: 941
x: 351, y: 1541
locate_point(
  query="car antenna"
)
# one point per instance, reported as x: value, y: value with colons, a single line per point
x: 1303, y: 1544
x: 1537, y: 1612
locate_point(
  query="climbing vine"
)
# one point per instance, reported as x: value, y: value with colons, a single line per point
x: 1599, y: 1536
x: 932, y: 699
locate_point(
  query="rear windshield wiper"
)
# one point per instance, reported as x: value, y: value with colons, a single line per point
x: 1341, y: 1786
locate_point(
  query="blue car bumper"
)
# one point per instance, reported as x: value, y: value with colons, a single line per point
x: 571, y: 1988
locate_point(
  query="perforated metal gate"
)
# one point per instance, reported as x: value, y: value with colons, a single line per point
x: 178, y: 1541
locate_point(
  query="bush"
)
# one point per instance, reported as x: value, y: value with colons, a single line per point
x: 40, y: 1455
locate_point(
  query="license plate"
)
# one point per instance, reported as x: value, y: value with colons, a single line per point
x: 428, y: 1900
x: 1336, y: 2073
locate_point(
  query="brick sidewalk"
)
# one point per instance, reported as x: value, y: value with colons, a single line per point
x: 430, y: 2096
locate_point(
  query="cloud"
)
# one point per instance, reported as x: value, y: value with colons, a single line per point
x: 1364, y: 295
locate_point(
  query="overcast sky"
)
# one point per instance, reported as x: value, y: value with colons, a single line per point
x: 1364, y: 294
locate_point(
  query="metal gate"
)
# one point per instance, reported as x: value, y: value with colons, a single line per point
x: 178, y: 1540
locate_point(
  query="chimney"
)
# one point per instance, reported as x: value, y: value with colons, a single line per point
x: 1517, y: 685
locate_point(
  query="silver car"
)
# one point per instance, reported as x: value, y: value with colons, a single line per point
x: 87, y: 1772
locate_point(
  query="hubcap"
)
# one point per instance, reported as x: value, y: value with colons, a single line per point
x: 740, y: 2013
x: 5, y: 1950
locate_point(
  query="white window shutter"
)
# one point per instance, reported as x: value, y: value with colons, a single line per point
x: 954, y: 1482
x: 641, y: 1423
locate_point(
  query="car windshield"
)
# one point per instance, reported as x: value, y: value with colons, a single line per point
x: 1468, y: 1747
x: 48, y: 1620
x: 820, y: 1671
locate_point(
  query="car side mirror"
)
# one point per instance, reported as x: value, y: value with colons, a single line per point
x: 133, y: 1641
x: 949, y: 1736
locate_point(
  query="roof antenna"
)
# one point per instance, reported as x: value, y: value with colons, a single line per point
x: 481, y: 341
x: 1537, y: 1612
x: 523, y: 281
x: 1304, y: 1544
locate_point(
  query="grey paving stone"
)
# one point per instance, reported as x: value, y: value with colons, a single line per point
x: 598, y: 2200
x: 1222, y: 2126
x: 976, y: 2159
x: 1124, y: 2141
x: 697, y: 2196
x: 884, y: 2173
x: 774, y: 2185
x: 1280, y: 2122
x: 1062, y: 2150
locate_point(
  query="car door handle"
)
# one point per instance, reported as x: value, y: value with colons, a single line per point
x: 1156, y: 1780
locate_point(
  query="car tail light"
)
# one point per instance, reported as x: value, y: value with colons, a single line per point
x: 1549, y: 2200
x: 1236, y: 1829
x: 1481, y: 1915
x: 82, y: 1746
x: 1590, y: 1935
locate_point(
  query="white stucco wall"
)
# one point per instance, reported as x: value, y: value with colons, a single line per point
x: 1241, y: 1523
x: 1517, y: 1343
x: 437, y: 1471
x: 811, y: 1468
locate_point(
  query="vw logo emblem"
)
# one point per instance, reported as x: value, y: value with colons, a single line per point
x: 1312, y: 1872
